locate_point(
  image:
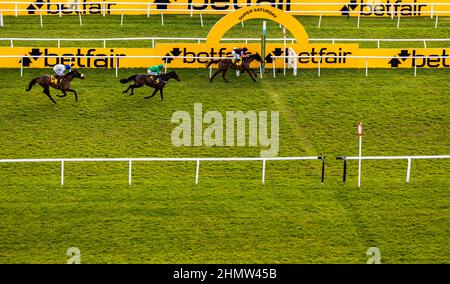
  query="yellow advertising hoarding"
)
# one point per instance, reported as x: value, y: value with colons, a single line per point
x: 376, y: 8
x: 196, y: 55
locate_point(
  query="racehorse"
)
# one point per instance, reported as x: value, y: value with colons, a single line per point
x: 141, y: 80
x: 226, y: 63
x: 64, y: 85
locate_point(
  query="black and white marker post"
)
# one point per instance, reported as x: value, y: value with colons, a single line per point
x: 360, y: 133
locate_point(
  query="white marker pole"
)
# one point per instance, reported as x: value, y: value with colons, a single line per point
x: 360, y: 129
x: 284, y: 50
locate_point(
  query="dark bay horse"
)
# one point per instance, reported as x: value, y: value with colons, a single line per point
x: 225, y: 64
x: 141, y: 80
x: 64, y: 86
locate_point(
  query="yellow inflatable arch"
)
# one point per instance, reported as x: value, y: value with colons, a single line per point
x: 257, y: 12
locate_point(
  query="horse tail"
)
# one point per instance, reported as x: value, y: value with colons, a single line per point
x: 126, y: 80
x: 212, y: 62
x: 32, y: 83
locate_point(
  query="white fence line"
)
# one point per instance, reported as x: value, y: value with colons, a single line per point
x: 246, y: 40
x: 366, y: 57
x: 197, y: 160
x: 408, y: 158
x: 105, y: 8
x: 320, y: 57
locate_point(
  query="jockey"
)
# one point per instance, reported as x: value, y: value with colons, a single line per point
x: 155, y: 71
x: 59, y: 70
x: 239, y: 53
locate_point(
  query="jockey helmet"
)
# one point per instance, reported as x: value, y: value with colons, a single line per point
x: 160, y: 66
x: 68, y: 67
x: 244, y: 49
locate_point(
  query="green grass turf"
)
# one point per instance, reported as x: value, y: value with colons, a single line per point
x: 229, y: 217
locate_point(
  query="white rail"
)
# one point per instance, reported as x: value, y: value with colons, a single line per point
x: 408, y: 158
x: 319, y: 57
x: 246, y: 40
x: 366, y: 57
x: 105, y: 8
x: 197, y: 160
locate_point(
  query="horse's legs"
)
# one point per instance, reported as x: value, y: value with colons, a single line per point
x: 224, y: 71
x: 63, y: 95
x: 161, y: 93
x: 130, y: 87
x: 47, y: 92
x: 74, y: 92
x: 250, y: 74
x: 215, y: 73
x: 126, y: 91
x: 154, y: 93
x: 135, y: 86
x: 254, y: 73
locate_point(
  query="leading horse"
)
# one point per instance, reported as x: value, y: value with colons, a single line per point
x: 227, y: 63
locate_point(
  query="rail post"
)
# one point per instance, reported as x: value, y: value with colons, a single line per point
x: 318, y: 66
x: 260, y: 70
x: 360, y: 133
x: 367, y: 67
x: 21, y: 67
x: 197, y: 170
x: 129, y: 171
x: 117, y: 66
x: 273, y: 66
x: 323, y: 168
x: 62, y: 172
x: 344, y: 172
x: 264, y: 171
x: 408, y: 170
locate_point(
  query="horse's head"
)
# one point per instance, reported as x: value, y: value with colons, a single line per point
x: 76, y: 74
x: 174, y: 75
x: 256, y: 57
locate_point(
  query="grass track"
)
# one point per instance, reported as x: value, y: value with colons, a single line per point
x: 229, y: 217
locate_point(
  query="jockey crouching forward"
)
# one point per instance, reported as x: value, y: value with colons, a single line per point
x: 155, y: 72
x: 59, y: 70
x: 238, y: 54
